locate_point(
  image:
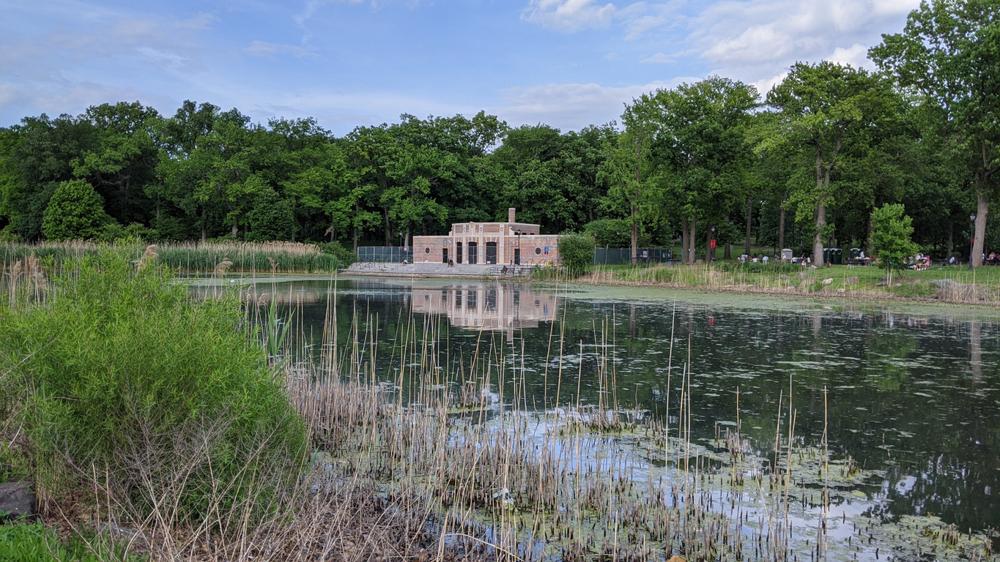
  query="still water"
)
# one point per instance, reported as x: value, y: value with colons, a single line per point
x: 913, y: 395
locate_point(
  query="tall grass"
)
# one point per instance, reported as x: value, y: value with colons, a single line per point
x: 196, y: 258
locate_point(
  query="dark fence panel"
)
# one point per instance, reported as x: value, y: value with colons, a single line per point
x: 618, y: 256
x: 384, y: 254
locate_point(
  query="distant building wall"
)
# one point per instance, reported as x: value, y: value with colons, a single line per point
x: 505, y: 238
x: 430, y: 249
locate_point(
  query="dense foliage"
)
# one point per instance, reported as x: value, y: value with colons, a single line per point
x: 576, y: 252
x: 801, y: 166
x: 120, y: 372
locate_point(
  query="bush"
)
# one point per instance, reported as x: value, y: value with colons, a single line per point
x: 121, y: 371
x: 75, y: 212
x: 576, y: 253
x: 345, y: 256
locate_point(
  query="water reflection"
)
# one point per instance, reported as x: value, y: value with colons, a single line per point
x: 914, y: 396
x: 503, y: 307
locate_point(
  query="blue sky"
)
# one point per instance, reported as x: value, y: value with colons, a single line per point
x: 568, y: 63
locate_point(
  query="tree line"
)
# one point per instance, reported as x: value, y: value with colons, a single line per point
x: 800, y: 166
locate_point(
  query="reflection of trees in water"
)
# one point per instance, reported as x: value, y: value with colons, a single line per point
x: 976, y: 350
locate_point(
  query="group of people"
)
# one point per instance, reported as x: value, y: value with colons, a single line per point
x: 921, y: 262
x: 753, y: 259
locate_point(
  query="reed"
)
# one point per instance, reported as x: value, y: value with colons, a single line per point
x: 193, y: 257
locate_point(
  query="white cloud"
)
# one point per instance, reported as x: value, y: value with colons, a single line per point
x: 757, y: 40
x: 659, y: 58
x: 164, y: 58
x: 635, y: 18
x: 571, y: 106
x: 568, y: 15
x: 268, y: 49
x: 856, y: 55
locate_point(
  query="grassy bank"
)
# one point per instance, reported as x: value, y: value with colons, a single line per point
x: 941, y: 284
x: 197, y: 258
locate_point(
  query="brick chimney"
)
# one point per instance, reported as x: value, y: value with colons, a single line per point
x: 510, y: 214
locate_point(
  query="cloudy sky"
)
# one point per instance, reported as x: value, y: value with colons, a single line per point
x: 568, y: 63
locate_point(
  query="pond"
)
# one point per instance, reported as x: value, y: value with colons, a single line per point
x: 913, y: 395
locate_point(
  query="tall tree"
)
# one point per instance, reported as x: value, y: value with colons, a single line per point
x: 628, y: 169
x: 702, y: 142
x: 950, y: 52
x: 826, y: 109
x: 124, y: 159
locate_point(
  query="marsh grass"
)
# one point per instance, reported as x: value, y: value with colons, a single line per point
x: 945, y: 284
x: 193, y: 257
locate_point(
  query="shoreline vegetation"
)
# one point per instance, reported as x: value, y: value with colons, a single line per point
x: 940, y: 285
x: 204, y: 258
x: 152, y: 429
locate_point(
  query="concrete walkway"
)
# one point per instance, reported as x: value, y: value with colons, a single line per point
x: 436, y: 270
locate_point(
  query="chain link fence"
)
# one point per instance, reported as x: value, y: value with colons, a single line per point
x: 619, y: 256
x: 385, y: 254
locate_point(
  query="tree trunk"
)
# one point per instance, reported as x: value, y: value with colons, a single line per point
x: 746, y: 242
x: 406, y: 239
x: 355, y: 240
x: 684, y: 240
x: 635, y: 237
x: 692, y: 240
x: 982, y: 210
x: 951, y: 238
x: 781, y: 227
x: 820, y: 226
x: 729, y: 251
x: 234, y: 230
x: 388, y: 239
x: 818, y: 236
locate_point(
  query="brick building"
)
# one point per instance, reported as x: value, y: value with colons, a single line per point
x: 501, y: 243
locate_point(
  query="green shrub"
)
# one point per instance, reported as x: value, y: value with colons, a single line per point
x: 122, y: 370
x: 576, y: 253
x: 75, y: 212
x: 345, y: 256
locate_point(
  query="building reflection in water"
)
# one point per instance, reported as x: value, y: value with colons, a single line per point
x: 487, y: 306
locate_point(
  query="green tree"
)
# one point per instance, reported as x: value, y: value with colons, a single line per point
x: 702, y: 147
x: 75, y: 212
x: 576, y: 253
x: 627, y: 170
x: 826, y: 109
x: 949, y: 52
x: 124, y: 159
x: 892, y: 237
